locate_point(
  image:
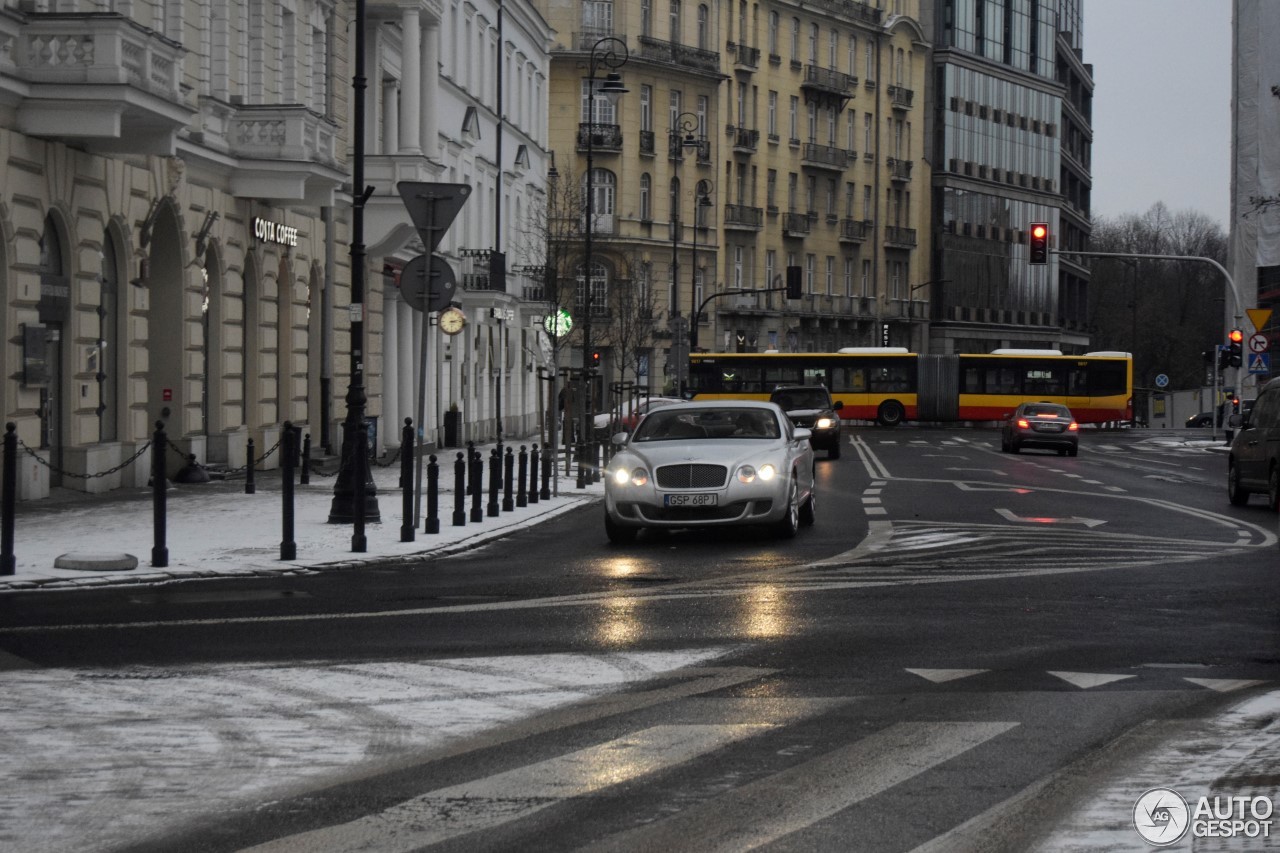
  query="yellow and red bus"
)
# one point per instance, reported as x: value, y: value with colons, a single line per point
x: 889, y: 384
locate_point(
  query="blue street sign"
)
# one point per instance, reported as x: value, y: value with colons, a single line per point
x: 1259, y: 362
x: 1162, y: 381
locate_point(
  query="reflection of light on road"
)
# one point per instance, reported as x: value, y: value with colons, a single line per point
x: 767, y: 613
x: 617, y: 622
x: 621, y: 568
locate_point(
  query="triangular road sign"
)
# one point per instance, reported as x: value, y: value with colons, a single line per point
x: 433, y: 207
x: 1258, y: 316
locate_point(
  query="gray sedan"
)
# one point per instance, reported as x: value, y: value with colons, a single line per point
x: 711, y: 464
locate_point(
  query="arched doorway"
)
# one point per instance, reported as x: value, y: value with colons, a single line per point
x: 54, y: 313
x: 166, y: 324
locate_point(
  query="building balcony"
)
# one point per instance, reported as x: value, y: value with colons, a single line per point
x: 899, y: 237
x: 283, y: 152
x: 95, y: 79
x: 587, y: 39
x: 745, y: 58
x: 826, y: 81
x: 672, y: 53
x: 742, y: 217
x: 795, y: 225
x: 855, y: 230
x: 603, y: 138
x: 899, y: 170
x: 745, y: 141
x: 850, y: 10
x: 900, y: 97
x: 646, y: 142
x: 824, y: 157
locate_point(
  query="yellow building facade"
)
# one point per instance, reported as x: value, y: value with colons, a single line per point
x: 753, y: 137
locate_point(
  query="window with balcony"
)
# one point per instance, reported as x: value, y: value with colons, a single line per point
x: 813, y: 44
x: 704, y: 32
x: 646, y: 107
x: 853, y: 55
x: 673, y: 22
x: 833, y: 49
x: 771, y: 189
x: 597, y: 17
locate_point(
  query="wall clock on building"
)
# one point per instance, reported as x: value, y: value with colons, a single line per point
x: 452, y: 320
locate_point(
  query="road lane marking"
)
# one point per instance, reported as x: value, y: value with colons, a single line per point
x: 1085, y: 680
x: 1224, y: 685
x: 792, y: 800
x: 1010, y: 515
x: 938, y: 676
x: 515, y: 794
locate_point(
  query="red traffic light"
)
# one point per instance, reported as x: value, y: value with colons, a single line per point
x: 1039, y: 231
x: 1235, y: 336
x: 1039, y: 243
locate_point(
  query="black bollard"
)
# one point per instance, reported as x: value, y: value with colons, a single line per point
x: 249, y: 486
x: 595, y: 460
x: 459, y: 492
x: 408, y: 519
x: 159, y: 482
x: 306, y: 460
x: 495, y: 481
x: 288, y: 449
x: 522, y: 474
x: 533, y: 474
x: 477, y: 480
x: 473, y: 481
x: 509, y: 464
x: 8, y: 500
x: 581, y: 452
x: 433, y: 495
x: 548, y: 459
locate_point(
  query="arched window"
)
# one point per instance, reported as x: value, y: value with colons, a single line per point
x: 604, y: 195
x: 646, y: 198
x: 54, y: 311
x: 704, y: 36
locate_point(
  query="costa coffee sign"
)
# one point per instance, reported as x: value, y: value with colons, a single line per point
x: 275, y: 232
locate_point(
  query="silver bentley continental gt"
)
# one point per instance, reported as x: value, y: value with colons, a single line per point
x: 729, y: 462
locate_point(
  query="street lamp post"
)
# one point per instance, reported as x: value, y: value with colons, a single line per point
x: 354, y: 495
x: 911, y: 318
x: 682, y: 137
x: 609, y: 52
x: 702, y: 198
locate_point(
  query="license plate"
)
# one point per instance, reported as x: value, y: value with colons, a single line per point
x: 689, y: 500
x: 1049, y: 427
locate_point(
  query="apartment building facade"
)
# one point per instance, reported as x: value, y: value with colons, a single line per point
x: 175, y: 225
x: 753, y: 137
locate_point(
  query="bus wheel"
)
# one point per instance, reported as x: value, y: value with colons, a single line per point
x: 890, y: 413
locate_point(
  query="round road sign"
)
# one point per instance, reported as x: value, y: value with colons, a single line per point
x: 1162, y: 381
x: 1258, y: 342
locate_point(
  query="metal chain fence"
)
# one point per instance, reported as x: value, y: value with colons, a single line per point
x: 107, y: 473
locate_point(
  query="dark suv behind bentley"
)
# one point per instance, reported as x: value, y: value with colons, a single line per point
x: 810, y: 406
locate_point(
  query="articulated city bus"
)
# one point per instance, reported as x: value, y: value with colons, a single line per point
x: 890, y: 384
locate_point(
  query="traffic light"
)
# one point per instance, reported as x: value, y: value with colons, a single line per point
x: 1234, y: 353
x: 1039, y: 243
x: 793, y: 283
x: 595, y: 358
x: 1224, y: 357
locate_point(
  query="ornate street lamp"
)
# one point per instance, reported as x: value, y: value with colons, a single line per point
x: 682, y: 137
x: 609, y: 52
x: 702, y: 199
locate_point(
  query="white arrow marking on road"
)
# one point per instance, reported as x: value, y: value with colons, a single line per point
x: 1085, y: 680
x: 1010, y: 515
x: 937, y: 676
x: 1224, y: 685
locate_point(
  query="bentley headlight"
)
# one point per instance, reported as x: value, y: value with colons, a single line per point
x: 768, y: 472
x: 621, y: 476
x: 746, y: 474
x: 634, y: 477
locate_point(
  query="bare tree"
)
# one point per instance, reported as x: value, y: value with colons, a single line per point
x: 633, y: 318
x: 1164, y: 312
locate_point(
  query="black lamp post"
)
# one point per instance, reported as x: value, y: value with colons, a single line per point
x: 702, y: 199
x: 609, y: 52
x: 355, y: 498
x: 682, y: 137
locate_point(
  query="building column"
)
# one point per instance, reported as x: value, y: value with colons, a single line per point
x: 430, y: 137
x: 411, y: 75
x: 390, y: 116
x: 392, y: 403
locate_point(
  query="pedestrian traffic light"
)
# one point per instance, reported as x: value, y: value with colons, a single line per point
x: 1039, y: 243
x: 1235, y: 356
x: 793, y: 283
x: 1224, y: 357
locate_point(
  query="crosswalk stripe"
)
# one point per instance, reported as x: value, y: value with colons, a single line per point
x: 787, y: 802
x: 484, y: 803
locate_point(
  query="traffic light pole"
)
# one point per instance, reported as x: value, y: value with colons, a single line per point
x: 697, y: 315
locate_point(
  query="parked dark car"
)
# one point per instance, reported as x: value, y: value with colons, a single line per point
x: 1253, y: 462
x: 1046, y: 425
x: 811, y: 407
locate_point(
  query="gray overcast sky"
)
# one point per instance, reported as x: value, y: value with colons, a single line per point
x: 1161, y: 105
